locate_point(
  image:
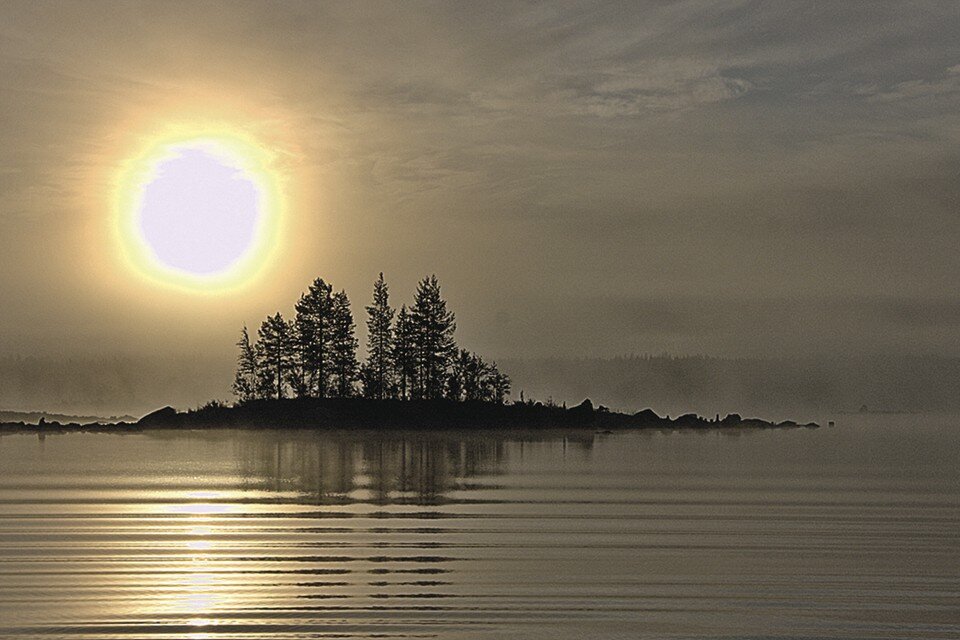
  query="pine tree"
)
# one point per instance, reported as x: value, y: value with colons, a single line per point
x: 314, y: 335
x: 475, y: 380
x: 499, y: 384
x: 434, y: 327
x: 316, y: 354
x: 368, y: 381
x: 275, y: 353
x: 377, y: 378
x: 343, y: 345
x: 404, y: 354
x: 455, y: 380
x: 470, y: 378
x: 245, y: 382
x: 298, y: 375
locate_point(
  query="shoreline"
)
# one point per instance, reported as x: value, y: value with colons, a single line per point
x: 330, y: 414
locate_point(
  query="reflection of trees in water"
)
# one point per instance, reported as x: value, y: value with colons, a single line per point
x: 382, y: 470
x: 376, y: 468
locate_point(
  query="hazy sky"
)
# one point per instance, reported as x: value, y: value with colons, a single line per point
x: 730, y: 178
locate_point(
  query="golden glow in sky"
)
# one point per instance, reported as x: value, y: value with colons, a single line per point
x: 199, y: 210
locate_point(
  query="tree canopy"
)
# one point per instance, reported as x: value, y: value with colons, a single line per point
x: 410, y: 354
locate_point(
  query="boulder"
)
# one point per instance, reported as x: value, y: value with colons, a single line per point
x: 585, y: 407
x: 647, y: 416
x: 688, y: 420
x: 161, y: 417
x: 732, y: 420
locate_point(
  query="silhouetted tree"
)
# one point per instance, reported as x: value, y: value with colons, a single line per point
x: 377, y: 371
x: 404, y: 354
x: 476, y: 382
x: 245, y: 381
x: 499, y: 383
x: 298, y: 374
x: 316, y: 354
x: 455, y: 382
x: 343, y: 345
x: 471, y: 378
x: 314, y: 323
x: 458, y: 372
x: 275, y: 354
x: 434, y: 327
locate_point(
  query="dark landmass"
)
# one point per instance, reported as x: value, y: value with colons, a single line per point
x: 357, y: 413
x: 46, y: 416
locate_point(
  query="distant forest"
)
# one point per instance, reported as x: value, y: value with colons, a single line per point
x: 794, y: 388
x: 410, y: 354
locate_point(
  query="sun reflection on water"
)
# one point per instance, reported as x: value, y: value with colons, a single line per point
x: 198, y: 593
x: 204, y: 508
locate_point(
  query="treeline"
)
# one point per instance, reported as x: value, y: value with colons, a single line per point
x: 411, y: 354
x: 795, y: 388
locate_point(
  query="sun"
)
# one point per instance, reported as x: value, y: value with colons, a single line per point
x: 199, y: 210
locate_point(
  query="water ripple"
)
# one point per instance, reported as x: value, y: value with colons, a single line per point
x: 300, y: 535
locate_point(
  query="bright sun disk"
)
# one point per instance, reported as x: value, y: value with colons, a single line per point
x: 199, y: 212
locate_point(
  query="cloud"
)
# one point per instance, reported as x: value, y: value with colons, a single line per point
x: 707, y: 149
x: 623, y: 94
x: 946, y: 87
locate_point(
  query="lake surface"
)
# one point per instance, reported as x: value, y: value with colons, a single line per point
x: 849, y: 532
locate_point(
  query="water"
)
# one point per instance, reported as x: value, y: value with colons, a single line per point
x: 850, y: 532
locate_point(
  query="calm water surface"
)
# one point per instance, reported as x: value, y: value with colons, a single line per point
x: 850, y: 532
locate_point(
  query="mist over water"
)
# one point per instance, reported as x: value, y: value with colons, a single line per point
x: 849, y: 532
x: 782, y: 389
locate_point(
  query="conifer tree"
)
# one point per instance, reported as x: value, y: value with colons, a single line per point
x: 245, y: 381
x: 275, y: 354
x: 316, y: 354
x: 475, y: 378
x: 434, y: 327
x: 343, y: 345
x: 314, y: 336
x: 454, y: 389
x: 404, y: 354
x: 470, y: 378
x: 377, y: 371
x: 298, y: 374
x: 500, y: 384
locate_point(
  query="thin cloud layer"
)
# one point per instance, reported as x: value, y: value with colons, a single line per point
x: 699, y: 151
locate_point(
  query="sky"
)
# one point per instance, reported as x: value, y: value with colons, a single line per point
x: 586, y: 179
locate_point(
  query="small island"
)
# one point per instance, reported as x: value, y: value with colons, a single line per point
x: 304, y: 373
x: 361, y: 413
